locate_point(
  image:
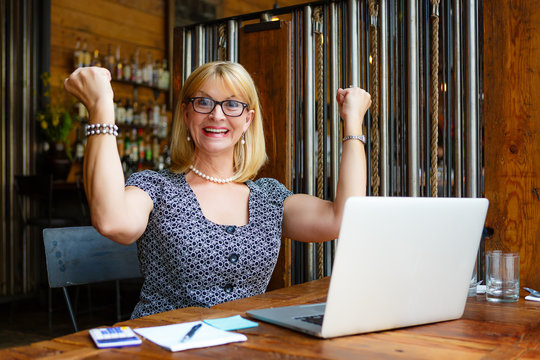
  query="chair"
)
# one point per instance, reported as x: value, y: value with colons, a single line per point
x: 80, y: 255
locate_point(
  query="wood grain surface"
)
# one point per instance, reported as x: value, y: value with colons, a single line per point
x: 266, y: 55
x: 486, y: 331
x: 512, y: 130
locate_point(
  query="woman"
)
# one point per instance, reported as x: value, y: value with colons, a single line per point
x: 207, y: 233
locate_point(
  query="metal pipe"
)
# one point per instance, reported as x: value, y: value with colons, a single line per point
x: 309, y: 130
x: 384, y: 95
x: 334, y: 84
x: 200, y: 50
x: 232, y: 40
x: 412, y: 104
x: 187, y: 66
x: 472, y: 102
x: 458, y: 116
x: 354, y: 68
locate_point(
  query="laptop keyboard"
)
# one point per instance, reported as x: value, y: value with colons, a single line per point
x: 312, y: 319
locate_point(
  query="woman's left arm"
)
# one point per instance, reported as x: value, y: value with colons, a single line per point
x: 310, y: 219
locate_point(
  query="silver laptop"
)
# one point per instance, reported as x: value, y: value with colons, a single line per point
x: 399, y: 262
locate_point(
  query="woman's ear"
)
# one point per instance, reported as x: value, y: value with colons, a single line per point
x: 184, y: 112
x: 249, y: 117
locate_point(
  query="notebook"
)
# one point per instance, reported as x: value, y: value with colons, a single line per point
x: 399, y: 262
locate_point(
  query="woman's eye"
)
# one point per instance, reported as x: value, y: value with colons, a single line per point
x: 232, y: 104
x: 204, y: 102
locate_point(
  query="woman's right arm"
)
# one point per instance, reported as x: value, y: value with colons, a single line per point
x: 119, y: 213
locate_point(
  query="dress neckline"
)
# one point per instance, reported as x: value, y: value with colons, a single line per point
x: 201, y: 213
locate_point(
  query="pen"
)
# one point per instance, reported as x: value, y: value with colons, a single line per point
x: 191, y: 332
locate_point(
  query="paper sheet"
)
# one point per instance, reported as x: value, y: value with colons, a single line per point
x: 170, y: 336
x: 231, y: 323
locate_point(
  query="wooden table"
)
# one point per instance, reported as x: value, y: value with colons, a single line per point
x: 486, y: 331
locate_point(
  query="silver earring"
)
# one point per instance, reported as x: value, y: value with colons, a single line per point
x: 243, y: 139
x: 188, y: 138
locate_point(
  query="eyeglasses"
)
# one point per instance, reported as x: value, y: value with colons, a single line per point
x: 204, y: 105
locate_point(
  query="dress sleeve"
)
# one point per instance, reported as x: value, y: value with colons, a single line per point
x: 149, y: 181
x: 274, y: 190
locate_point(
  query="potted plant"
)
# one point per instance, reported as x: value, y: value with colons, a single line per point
x: 56, y: 123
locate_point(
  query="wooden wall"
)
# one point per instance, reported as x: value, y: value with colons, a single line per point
x: 512, y: 130
x: 131, y: 24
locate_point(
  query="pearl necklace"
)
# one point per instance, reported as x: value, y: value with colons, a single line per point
x: 211, y: 178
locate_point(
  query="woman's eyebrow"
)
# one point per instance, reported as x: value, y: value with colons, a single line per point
x: 204, y: 94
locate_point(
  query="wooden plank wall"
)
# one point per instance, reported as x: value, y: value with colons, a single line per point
x: 273, y: 48
x: 512, y: 130
x: 131, y: 24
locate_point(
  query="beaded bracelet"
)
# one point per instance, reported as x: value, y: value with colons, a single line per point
x: 362, y: 138
x: 96, y: 129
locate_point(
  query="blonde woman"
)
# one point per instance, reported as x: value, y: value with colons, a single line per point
x: 206, y: 232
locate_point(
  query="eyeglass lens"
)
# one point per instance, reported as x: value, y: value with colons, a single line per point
x: 206, y: 105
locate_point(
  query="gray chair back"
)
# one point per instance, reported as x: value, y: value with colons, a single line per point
x: 80, y: 255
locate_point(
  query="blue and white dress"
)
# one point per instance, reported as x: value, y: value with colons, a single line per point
x: 187, y: 260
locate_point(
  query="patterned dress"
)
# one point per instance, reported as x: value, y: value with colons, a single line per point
x: 187, y: 260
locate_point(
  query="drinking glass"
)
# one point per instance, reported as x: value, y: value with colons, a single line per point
x: 502, y: 276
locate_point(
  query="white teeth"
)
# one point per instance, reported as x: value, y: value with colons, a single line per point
x: 216, y: 131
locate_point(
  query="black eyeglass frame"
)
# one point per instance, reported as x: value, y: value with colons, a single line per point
x: 220, y: 103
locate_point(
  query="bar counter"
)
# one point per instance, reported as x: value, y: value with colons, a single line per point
x: 486, y: 331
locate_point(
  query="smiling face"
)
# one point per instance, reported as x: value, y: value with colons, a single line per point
x: 216, y: 133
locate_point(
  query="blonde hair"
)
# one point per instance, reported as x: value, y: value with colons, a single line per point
x: 248, y: 158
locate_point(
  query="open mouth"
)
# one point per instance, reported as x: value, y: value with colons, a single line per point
x: 215, y: 131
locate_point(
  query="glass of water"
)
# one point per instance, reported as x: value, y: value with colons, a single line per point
x: 502, y: 276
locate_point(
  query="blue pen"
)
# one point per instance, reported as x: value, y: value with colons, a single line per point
x: 191, y: 332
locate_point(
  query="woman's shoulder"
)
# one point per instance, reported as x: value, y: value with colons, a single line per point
x: 271, y: 186
x: 152, y: 176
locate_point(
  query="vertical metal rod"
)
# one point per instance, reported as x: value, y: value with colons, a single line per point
x: 384, y: 95
x: 309, y: 130
x: 334, y: 84
x: 472, y: 101
x: 200, y: 50
x: 354, y: 68
x: 448, y: 92
x: 232, y: 40
x: 187, y: 65
x: 458, y: 116
x: 335, y: 65
x: 412, y: 105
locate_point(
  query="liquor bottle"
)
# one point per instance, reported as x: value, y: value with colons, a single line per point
x: 120, y: 144
x: 134, y: 147
x: 163, y: 123
x: 127, y: 70
x: 150, y: 70
x: 165, y: 79
x: 136, y: 114
x: 86, y: 56
x: 140, y: 146
x: 77, y: 54
x: 143, y: 116
x: 155, y: 151
x: 79, y: 147
x: 155, y: 115
x: 120, y: 113
x: 126, y: 159
x: 96, y: 60
x: 148, y: 150
x: 137, y: 69
x: 119, y: 72
x: 109, y: 60
x: 129, y: 113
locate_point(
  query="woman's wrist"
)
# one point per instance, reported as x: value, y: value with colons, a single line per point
x: 102, y: 112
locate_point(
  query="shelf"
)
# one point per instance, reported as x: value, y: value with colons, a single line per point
x: 156, y: 90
